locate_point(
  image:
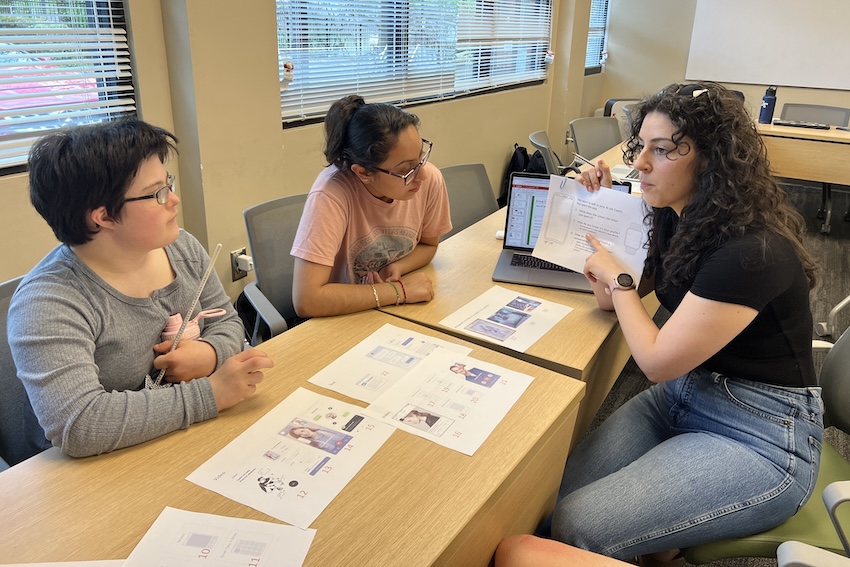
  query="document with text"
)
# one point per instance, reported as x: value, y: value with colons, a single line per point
x: 505, y: 317
x: 179, y: 538
x: 374, y: 365
x: 572, y: 212
x: 293, y: 461
x: 451, y: 399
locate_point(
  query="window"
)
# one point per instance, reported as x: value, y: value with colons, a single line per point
x: 596, y: 37
x: 62, y: 62
x: 405, y: 51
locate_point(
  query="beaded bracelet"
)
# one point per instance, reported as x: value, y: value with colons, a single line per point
x: 403, y: 291
x: 397, y: 296
x: 375, y: 293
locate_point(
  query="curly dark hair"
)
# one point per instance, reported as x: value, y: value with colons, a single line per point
x: 734, y: 193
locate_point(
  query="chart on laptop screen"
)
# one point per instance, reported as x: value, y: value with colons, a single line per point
x: 526, y: 210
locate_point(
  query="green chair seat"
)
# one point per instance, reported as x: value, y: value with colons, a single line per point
x: 811, y: 524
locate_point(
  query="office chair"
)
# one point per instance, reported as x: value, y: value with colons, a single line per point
x: 595, y: 136
x: 627, y: 113
x: 271, y: 230
x: 471, y: 196
x: 615, y: 108
x: 21, y: 436
x: 798, y: 554
x: 834, y: 116
x: 812, y: 524
x: 827, y: 328
x: 540, y: 140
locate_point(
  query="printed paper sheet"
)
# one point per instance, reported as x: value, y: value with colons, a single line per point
x: 450, y: 399
x: 179, y: 538
x: 615, y: 218
x: 502, y: 316
x: 372, y: 366
x: 293, y: 461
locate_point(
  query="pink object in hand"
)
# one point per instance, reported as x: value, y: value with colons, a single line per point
x: 192, y: 330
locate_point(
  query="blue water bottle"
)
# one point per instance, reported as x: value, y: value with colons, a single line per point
x: 768, y: 103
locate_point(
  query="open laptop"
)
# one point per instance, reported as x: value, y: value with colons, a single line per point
x: 625, y: 172
x: 527, y: 194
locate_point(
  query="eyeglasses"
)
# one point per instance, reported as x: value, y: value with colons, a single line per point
x: 411, y: 175
x: 161, y: 194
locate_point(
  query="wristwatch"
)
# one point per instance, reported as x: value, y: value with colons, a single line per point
x: 623, y: 281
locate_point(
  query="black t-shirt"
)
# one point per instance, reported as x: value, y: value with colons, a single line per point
x: 776, y: 348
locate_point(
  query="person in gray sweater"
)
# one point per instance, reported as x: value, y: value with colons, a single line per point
x: 85, y: 324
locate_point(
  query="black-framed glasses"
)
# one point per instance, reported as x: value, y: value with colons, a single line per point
x: 411, y: 175
x: 161, y: 194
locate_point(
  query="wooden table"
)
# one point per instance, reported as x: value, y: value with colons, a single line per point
x: 414, y: 503
x: 808, y: 153
x: 812, y: 155
x: 587, y: 344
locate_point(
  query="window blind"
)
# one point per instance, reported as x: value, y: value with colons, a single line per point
x: 62, y: 62
x: 405, y: 51
x: 594, y: 57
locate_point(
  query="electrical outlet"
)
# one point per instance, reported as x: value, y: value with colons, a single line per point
x: 235, y: 272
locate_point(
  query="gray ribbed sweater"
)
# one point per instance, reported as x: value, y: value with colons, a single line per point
x: 82, y: 350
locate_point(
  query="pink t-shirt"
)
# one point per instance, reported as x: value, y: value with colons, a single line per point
x: 347, y: 228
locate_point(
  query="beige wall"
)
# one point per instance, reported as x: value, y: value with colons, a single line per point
x: 662, y: 31
x: 647, y: 46
x: 209, y: 73
x: 29, y: 236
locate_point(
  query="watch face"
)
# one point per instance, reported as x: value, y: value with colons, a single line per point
x: 625, y: 280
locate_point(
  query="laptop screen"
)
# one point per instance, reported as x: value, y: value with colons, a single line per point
x: 526, y: 207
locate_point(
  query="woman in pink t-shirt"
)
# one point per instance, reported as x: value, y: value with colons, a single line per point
x: 374, y: 215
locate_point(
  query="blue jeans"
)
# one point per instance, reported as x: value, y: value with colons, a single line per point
x: 697, y: 459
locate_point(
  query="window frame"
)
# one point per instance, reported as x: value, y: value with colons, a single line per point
x: 595, y: 33
x: 485, y: 77
x: 64, y: 63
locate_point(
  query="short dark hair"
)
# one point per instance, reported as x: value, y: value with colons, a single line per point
x: 361, y: 133
x: 79, y: 169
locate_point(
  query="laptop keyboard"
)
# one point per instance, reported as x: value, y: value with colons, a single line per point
x: 529, y: 261
x: 633, y: 174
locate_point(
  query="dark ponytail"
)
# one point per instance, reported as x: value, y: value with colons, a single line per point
x: 356, y: 132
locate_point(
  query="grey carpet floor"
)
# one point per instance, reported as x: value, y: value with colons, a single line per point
x: 833, y: 253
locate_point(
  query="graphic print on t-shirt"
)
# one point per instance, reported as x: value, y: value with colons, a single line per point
x: 382, y: 246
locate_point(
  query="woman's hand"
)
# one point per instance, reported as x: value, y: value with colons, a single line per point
x: 599, y: 176
x: 191, y: 359
x: 390, y: 273
x: 417, y: 288
x: 601, y: 265
x: 238, y: 377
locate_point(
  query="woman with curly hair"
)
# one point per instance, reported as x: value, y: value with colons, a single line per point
x: 726, y: 443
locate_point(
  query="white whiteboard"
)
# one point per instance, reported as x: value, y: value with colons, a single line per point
x: 788, y: 43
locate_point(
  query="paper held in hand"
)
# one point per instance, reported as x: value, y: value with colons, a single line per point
x: 572, y: 212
